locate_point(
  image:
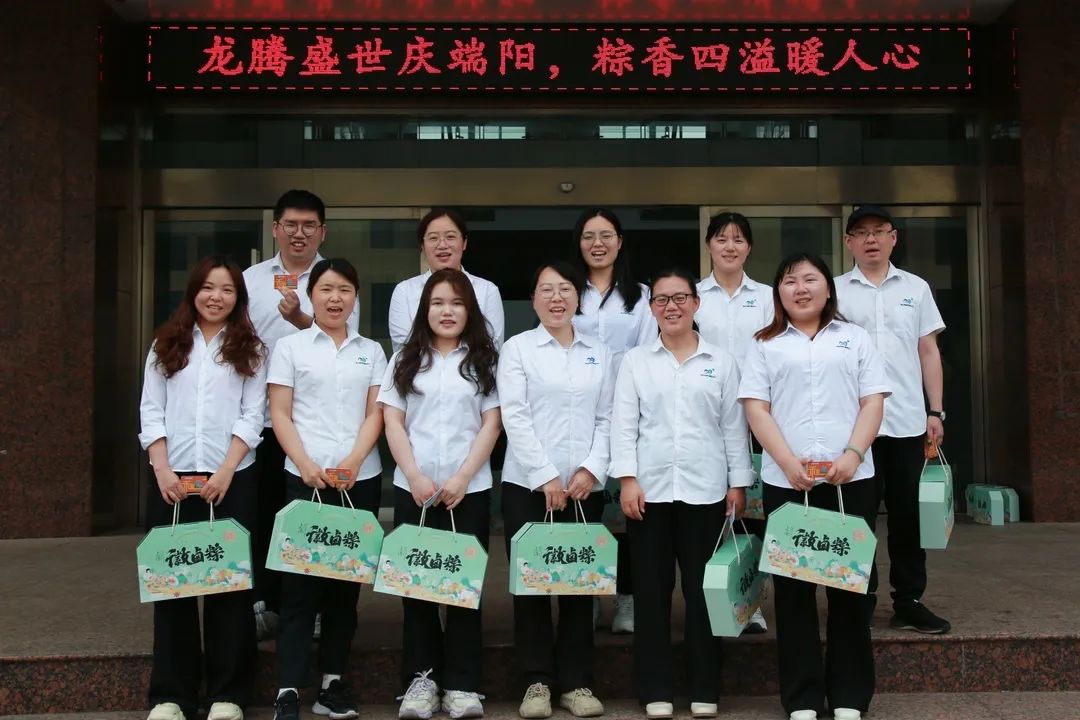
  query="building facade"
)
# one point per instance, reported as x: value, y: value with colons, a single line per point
x: 140, y: 136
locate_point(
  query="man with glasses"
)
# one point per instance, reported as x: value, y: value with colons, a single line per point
x: 279, y: 306
x: 897, y: 308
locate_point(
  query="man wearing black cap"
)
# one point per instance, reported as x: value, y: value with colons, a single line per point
x: 898, y: 310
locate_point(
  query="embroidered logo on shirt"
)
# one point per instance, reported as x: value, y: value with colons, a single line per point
x: 750, y: 303
x: 846, y: 344
x: 709, y: 373
x: 362, y: 360
x: 907, y: 302
x: 591, y: 361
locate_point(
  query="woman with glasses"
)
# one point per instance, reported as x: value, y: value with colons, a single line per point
x: 615, y: 309
x: 679, y: 448
x: 814, y: 388
x: 555, y: 385
x: 443, y: 238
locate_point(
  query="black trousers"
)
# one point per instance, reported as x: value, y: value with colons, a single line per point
x: 624, y: 580
x: 454, y: 655
x: 225, y: 649
x: 846, y: 677
x: 898, y: 463
x: 302, y: 597
x: 561, y: 659
x: 668, y: 533
x: 270, y: 462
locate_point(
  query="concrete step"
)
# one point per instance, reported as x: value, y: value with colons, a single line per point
x: 896, y: 706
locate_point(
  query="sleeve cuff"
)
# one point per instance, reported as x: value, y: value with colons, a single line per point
x: 740, y: 478
x: 754, y: 395
x: 251, y: 439
x: 886, y: 391
x: 541, y: 476
x: 596, y: 468
x: 151, y: 435
x: 622, y: 469
x: 279, y: 380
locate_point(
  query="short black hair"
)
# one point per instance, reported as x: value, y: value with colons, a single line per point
x: 300, y: 200
x: 568, y: 271
x: 341, y: 266
x: 434, y: 214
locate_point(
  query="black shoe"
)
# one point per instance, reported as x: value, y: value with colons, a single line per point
x: 287, y: 706
x: 335, y: 701
x: 916, y: 616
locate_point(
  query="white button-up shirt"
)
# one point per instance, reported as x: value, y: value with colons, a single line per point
x: 199, y: 409
x: 442, y: 420
x: 330, y: 389
x: 896, y: 315
x: 556, y: 408
x: 679, y: 429
x: 612, y: 324
x: 730, y: 322
x: 263, y: 301
x: 814, y: 388
x: 405, y: 302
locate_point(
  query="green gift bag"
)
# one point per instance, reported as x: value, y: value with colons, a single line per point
x: 986, y: 505
x: 935, y: 504
x: 199, y: 558
x: 439, y: 566
x: 613, y: 517
x: 322, y: 540
x: 734, y: 587
x: 550, y: 558
x: 755, y: 500
x: 819, y: 546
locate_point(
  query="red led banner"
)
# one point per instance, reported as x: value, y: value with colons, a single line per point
x: 558, y: 59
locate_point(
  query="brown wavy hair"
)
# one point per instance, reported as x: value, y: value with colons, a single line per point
x: 240, y: 347
x: 780, y: 317
x: 478, y: 365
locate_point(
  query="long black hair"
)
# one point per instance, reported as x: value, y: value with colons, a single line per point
x: 478, y: 365
x: 779, y: 322
x: 623, y: 278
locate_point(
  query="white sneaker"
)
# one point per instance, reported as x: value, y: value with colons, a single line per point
x: 166, y: 711
x: 803, y: 715
x: 623, y: 622
x: 757, y: 625
x: 659, y: 710
x: 537, y: 702
x: 703, y: 710
x: 462, y: 704
x: 420, y: 700
x: 225, y: 711
x: 846, y: 714
x: 581, y: 703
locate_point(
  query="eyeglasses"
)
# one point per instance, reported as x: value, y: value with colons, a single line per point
x: 677, y: 298
x: 880, y: 233
x: 606, y: 237
x: 309, y: 228
x: 547, y: 292
x: 448, y: 237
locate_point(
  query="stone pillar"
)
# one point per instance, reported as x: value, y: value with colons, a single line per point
x: 1049, y: 56
x: 48, y: 165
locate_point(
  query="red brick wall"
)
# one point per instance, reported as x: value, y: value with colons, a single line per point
x: 1050, y: 125
x: 48, y: 159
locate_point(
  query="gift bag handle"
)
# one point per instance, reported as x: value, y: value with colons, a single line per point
x: 839, y: 500
x: 423, y: 515
x: 578, y: 510
x: 176, y: 517
x: 940, y: 455
x: 729, y: 522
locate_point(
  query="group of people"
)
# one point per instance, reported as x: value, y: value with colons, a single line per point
x: 263, y: 385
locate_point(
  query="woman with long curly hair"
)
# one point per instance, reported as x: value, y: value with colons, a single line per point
x: 202, y: 410
x: 442, y: 419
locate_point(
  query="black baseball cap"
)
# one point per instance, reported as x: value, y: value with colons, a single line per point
x: 865, y: 211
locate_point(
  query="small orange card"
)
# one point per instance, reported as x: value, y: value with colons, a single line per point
x: 192, y: 484
x: 339, y: 477
x: 286, y: 282
x: 930, y: 450
x: 818, y: 469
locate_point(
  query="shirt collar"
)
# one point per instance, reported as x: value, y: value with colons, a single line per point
x: 278, y: 265
x: 427, y: 274
x: 703, y: 348
x: 543, y: 337
x: 709, y: 283
x: 196, y: 331
x: 858, y: 276
x: 832, y: 324
x: 316, y: 331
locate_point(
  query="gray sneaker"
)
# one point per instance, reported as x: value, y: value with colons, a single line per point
x: 537, y: 702
x: 462, y: 704
x: 421, y: 699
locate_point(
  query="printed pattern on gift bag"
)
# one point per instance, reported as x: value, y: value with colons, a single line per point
x: 189, y: 559
x: 323, y: 540
x: 755, y: 500
x: 819, y: 546
x: 936, y: 515
x: 439, y: 566
x: 613, y: 517
x: 576, y: 558
x: 734, y: 586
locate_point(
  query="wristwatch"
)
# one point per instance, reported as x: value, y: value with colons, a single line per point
x: 939, y: 414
